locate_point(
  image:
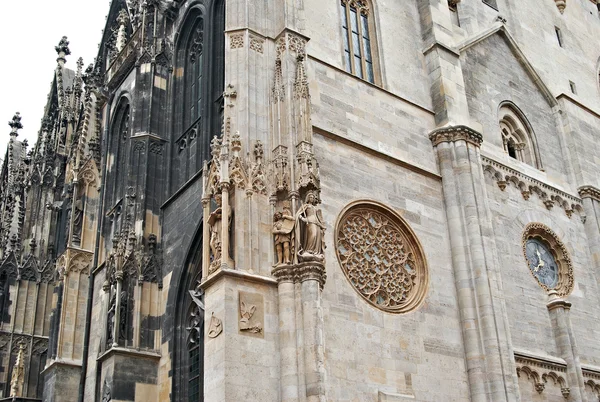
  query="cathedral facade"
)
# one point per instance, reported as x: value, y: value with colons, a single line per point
x: 309, y: 201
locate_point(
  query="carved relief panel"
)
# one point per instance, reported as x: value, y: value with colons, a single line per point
x: 251, y: 314
x: 381, y: 257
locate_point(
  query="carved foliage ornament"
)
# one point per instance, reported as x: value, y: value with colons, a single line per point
x: 381, y: 257
x: 548, y: 259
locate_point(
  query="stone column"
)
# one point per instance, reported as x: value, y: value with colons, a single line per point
x: 312, y: 277
x: 490, y: 363
x: 591, y: 206
x: 287, y: 333
x: 205, y: 236
x: 563, y: 333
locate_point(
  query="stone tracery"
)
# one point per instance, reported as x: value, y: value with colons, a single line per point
x: 381, y: 257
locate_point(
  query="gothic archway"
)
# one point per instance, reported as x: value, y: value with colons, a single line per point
x: 188, y: 336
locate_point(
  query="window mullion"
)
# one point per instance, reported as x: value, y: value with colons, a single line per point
x: 361, y: 43
x: 350, y: 41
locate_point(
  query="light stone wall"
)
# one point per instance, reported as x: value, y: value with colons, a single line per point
x: 400, y: 48
x: 368, y: 351
x: 530, y: 325
x: 370, y: 117
x: 494, y: 75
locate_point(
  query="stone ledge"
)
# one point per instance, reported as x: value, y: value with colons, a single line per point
x: 546, y: 361
x: 226, y: 272
x: 68, y: 363
x: 146, y: 354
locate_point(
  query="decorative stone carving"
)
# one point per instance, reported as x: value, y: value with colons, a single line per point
x: 216, y: 233
x: 539, y: 232
x: 456, y: 133
x: 251, y: 313
x: 310, y: 231
x: 77, y: 221
x: 561, y: 5
x: 283, y: 230
x: 18, y: 374
x: 548, y: 195
x: 589, y: 192
x: 106, y: 392
x: 257, y: 44
x: 381, y: 257
x: 197, y: 43
x: 195, y: 319
x: 215, y: 326
x: 541, y: 372
x: 236, y: 41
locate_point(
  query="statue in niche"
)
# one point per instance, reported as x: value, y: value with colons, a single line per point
x: 216, y: 235
x: 283, y: 229
x: 310, y: 230
x: 123, y: 309
x: 110, y: 325
x: 77, y: 221
x: 111, y: 318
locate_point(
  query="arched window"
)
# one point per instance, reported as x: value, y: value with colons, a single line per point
x: 517, y: 137
x: 359, y: 39
x: 119, y: 147
x: 198, y: 87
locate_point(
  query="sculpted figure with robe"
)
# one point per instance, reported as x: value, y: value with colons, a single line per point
x: 310, y: 230
x: 216, y: 231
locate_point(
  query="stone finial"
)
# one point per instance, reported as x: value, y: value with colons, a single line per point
x: 561, y: 4
x: 63, y: 48
x: 15, y: 125
x: 18, y: 376
x: 79, y: 66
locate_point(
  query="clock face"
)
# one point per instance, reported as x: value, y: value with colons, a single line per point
x: 541, y: 263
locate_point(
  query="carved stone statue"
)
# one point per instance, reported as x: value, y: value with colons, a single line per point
x: 110, y: 324
x: 77, y: 221
x: 214, y: 222
x: 216, y: 235
x: 310, y: 231
x: 283, y: 229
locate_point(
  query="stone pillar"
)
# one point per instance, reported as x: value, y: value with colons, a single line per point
x: 489, y: 357
x: 287, y: 334
x: 563, y: 333
x: 302, y: 354
x: 312, y: 277
x: 443, y: 63
x: 591, y: 206
x: 205, y: 236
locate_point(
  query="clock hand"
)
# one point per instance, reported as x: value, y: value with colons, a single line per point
x: 540, y: 260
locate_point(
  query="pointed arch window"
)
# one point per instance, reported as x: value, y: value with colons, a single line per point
x: 190, y: 59
x: 120, y: 136
x: 517, y: 137
x: 358, y: 36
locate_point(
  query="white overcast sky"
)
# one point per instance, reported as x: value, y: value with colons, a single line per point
x: 30, y: 30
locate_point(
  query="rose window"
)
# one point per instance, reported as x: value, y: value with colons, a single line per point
x: 381, y: 257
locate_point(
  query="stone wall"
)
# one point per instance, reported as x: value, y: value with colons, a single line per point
x: 369, y: 351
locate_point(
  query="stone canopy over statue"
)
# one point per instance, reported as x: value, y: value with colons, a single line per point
x: 300, y: 238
